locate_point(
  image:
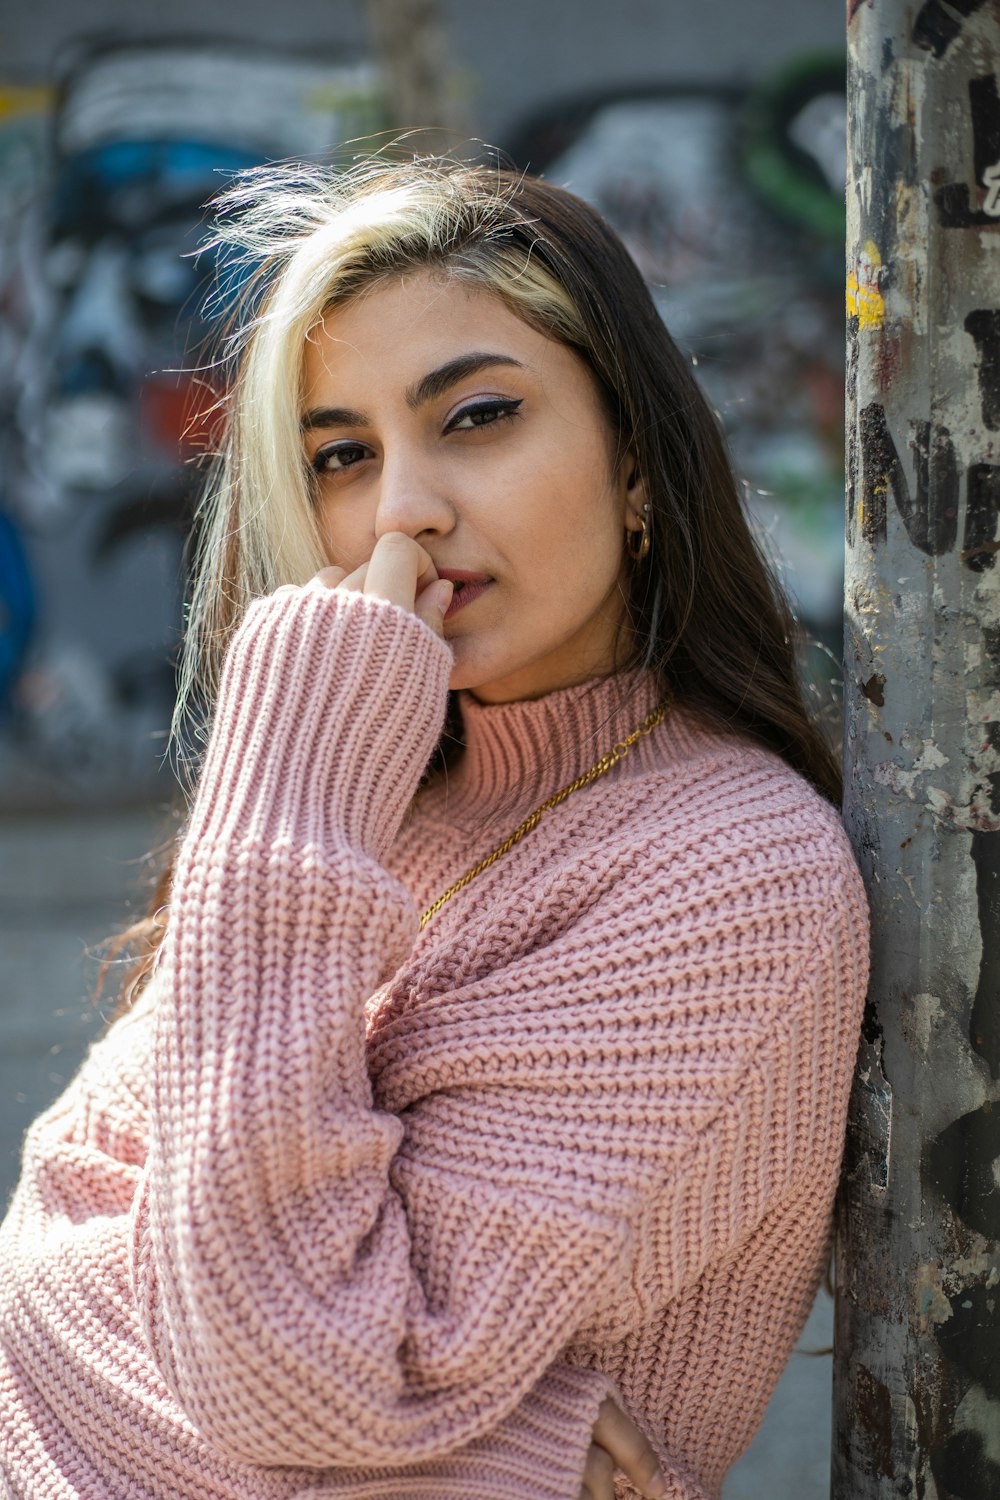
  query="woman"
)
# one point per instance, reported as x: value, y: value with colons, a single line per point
x: 478, y: 1124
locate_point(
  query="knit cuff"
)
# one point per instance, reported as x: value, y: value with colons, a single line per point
x: 330, y: 706
x: 536, y: 1453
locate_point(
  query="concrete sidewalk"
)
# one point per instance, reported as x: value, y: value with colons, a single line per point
x: 66, y: 883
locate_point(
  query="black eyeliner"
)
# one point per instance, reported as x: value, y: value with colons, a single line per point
x: 327, y: 451
x: 507, y: 405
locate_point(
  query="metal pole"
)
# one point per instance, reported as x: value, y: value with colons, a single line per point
x: 917, y: 1340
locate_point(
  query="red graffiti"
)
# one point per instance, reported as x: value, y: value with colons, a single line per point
x: 180, y: 414
x: 888, y: 359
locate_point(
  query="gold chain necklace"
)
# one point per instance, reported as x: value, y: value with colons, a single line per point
x: 605, y: 764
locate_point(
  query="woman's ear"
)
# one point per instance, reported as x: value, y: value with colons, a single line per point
x: 633, y: 492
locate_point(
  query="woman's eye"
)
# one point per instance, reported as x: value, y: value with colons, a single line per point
x: 482, y: 414
x: 339, y: 456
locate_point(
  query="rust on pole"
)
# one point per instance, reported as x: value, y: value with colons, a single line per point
x: 917, y: 1324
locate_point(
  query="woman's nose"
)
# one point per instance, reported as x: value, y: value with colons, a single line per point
x: 413, y: 500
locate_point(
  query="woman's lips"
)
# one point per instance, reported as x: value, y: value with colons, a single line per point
x: 467, y: 588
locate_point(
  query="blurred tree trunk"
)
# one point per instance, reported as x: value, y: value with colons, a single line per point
x: 410, y: 41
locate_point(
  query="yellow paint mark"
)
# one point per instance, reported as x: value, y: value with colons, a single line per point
x: 864, y: 300
x: 14, y: 101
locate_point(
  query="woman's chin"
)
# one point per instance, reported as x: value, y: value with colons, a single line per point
x: 474, y: 673
x: 464, y: 676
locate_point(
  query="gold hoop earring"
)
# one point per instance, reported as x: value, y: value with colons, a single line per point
x: 638, y: 551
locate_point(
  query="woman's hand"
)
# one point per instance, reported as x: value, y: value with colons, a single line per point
x: 618, y: 1444
x: 398, y: 570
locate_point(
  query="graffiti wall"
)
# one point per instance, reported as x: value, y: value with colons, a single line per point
x: 104, y: 177
x: 732, y: 201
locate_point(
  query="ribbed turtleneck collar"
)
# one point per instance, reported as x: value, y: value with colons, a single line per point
x: 517, y: 754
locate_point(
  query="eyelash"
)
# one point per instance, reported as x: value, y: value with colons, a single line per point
x: 500, y: 409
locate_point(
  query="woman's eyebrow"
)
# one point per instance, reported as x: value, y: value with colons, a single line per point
x: 435, y: 383
x: 332, y: 416
x: 446, y: 375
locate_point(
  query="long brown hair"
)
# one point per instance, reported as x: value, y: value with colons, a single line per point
x: 705, y: 611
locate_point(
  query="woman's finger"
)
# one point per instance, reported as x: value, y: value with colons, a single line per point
x: 397, y: 568
x: 432, y: 604
x: 629, y: 1448
x: 599, y: 1473
x: 326, y: 578
x: 355, y: 580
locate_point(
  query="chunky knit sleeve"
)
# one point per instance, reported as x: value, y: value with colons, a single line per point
x: 271, y: 1250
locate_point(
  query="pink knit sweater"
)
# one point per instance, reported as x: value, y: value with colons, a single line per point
x: 348, y: 1209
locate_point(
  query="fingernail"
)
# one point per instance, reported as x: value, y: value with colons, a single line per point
x: 657, y: 1485
x: 445, y: 588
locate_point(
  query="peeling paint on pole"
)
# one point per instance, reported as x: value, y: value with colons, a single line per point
x: 917, y: 1342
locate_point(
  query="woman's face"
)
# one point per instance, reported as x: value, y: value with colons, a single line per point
x: 430, y: 408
